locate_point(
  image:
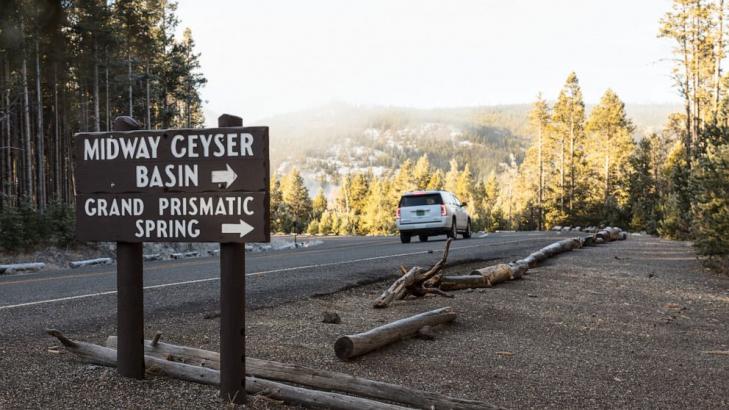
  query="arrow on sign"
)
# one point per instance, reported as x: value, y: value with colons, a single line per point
x: 241, y: 228
x: 227, y: 177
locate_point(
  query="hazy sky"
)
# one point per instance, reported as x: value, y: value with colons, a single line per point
x: 268, y: 57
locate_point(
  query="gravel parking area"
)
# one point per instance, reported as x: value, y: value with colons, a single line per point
x: 622, y: 325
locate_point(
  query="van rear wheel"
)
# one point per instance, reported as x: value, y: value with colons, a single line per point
x: 404, y: 237
x: 453, y: 231
x: 423, y: 238
x: 467, y: 232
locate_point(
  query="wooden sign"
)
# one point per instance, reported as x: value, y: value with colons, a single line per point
x: 185, y: 185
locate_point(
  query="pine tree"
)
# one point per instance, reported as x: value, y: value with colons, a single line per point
x: 378, y: 218
x: 539, y: 121
x: 611, y: 134
x: 464, y: 186
x: 437, y: 181
x: 711, y: 210
x: 279, y: 209
x: 675, y: 205
x: 422, y: 172
x: 318, y: 204
x: 568, y: 120
x: 451, y: 178
x: 325, y: 223
x: 296, y: 197
x: 642, y: 189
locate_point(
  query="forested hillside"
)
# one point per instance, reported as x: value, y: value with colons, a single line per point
x: 518, y: 167
x: 70, y: 66
x: 339, y: 138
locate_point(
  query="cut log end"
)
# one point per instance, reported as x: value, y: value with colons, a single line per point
x: 156, y: 338
x: 344, y: 348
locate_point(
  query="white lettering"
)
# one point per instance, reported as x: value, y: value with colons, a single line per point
x: 142, y: 178
x: 246, y: 148
x: 91, y: 149
x: 177, y: 152
x: 88, y: 207
x: 245, y: 205
x: 112, y: 148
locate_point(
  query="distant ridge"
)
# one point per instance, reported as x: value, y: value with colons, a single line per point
x: 341, y: 137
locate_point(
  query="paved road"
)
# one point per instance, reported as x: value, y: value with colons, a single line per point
x: 82, y: 297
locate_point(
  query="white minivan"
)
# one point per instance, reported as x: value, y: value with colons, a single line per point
x: 431, y: 213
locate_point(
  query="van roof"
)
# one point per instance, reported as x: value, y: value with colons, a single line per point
x: 416, y: 193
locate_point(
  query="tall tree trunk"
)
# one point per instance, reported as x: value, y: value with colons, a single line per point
x: 8, y: 142
x: 131, y: 102
x: 695, y: 76
x: 27, y: 146
x: 97, y: 114
x: 5, y: 182
x: 57, y: 138
x: 106, y: 90
x: 687, y: 93
x: 82, y: 109
x: 561, y: 177
x: 40, y: 147
x: 719, y: 55
x: 607, y: 168
x: 149, y: 112
x: 541, y: 180
x: 572, y: 154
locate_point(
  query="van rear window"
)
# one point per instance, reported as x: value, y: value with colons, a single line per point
x: 421, y: 200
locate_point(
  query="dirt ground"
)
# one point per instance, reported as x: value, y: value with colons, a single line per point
x: 622, y: 325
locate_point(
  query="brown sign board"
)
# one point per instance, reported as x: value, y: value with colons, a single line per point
x: 184, y: 185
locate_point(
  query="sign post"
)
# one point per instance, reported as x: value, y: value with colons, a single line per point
x: 232, y: 307
x: 177, y: 185
x: 130, y: 296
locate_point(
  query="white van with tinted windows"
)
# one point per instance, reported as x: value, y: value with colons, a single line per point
x: 431, y: 213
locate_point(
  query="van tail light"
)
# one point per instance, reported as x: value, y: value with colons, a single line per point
x: 443, y: 210
x: 398, y: 213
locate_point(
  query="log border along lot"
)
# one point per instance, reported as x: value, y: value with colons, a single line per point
x: 636, y: 323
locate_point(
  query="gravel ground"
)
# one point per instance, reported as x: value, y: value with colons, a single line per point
x: 623, y: 325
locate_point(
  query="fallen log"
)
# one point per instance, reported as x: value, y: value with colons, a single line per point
x: 152, y: 257
x: 181, y: 354
x: 494, y: 274
x: 184, y: 255
x: 485, y: 277
x: 89, y: 262
x: 560, y: 247
x: 349, y: 346
x: 603, y: 234
x: 588, y: 241
x: 315, y: 398
x: 614, y: 233
x: 106, y: 356
x: 534, y: 259
x: 417, y: 282
x: 318, y: 379
x: 518, y: 269
x: 169, y: 356
x: 322, y: 379
x: 458, y: 282
x: 19, y: 267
